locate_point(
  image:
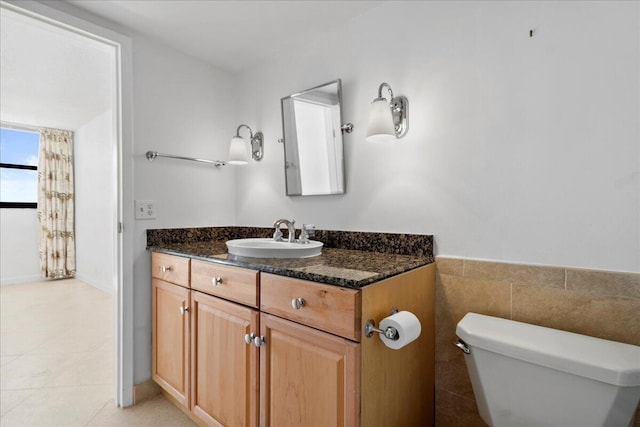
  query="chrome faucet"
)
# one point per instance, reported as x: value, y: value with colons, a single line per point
x: 277, y: 235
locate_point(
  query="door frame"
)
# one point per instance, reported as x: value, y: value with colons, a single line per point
x: 123, y: 130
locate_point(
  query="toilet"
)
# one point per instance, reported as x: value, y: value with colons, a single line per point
x: 527, y: 375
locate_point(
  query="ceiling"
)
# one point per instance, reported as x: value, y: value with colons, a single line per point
x: 231, y: 35
x: 56, y: 78
x: 51, y: 77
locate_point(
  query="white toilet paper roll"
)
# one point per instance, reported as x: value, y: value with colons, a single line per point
x: 407, y: 325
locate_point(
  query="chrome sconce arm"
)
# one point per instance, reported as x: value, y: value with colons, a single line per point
x: 399, y: 110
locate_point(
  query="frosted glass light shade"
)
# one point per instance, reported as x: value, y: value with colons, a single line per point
x: 380, y: 127
x: 238, y: 154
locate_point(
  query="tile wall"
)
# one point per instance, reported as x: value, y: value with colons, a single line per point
x: 597, y: 303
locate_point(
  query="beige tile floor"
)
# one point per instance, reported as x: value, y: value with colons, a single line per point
x: 56, y: 361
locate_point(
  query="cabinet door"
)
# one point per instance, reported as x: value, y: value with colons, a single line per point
x: 224, y: 368
x: 170, y: 339
x: 308, y: 377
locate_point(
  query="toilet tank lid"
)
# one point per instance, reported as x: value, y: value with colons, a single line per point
x: 607, y: 361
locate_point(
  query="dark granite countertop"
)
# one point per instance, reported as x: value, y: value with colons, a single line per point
x: 348, y: 259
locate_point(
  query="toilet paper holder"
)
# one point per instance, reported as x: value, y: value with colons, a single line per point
x: 391, y: 332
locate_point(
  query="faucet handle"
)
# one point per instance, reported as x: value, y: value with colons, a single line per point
x: 307, y: 231
x: 310, y: 229
x: 277, y: 235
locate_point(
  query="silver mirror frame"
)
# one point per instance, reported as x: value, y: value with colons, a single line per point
x: 343, y: 127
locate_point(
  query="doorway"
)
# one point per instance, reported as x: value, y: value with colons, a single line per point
x: 110, y: 158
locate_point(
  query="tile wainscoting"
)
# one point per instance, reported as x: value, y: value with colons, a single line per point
x: 592, y: 302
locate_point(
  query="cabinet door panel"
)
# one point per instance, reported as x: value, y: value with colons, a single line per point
x: 224, y: 367
x: 308, y: 377
x: 170, y: 338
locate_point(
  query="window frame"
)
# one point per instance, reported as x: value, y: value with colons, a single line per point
x: 18, y: 205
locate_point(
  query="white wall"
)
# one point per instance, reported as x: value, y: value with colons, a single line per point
x: 184, y: 107
x: 519, y: 149
x: 19, y: 259
x: 95, y: 202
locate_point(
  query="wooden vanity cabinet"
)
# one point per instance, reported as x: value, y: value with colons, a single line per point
x: 224, y: 368
x: 326, y: 373
x: 311, y: 364
x: 170, y: 325
x: 200, y: 357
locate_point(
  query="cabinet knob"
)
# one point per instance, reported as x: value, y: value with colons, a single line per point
x: 215, y: 281
x: 248, y: 338
x: 297, y: 303
x: 166, y: 268
x: 184, y: 310
x: 258, y: 341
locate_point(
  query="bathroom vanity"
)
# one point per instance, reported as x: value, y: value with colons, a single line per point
x: 282, y: 342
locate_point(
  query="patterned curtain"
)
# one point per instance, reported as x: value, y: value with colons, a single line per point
x: 55, y: 204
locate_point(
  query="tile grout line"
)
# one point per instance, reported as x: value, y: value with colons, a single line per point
x: 18, y: 404
x: 456, y: 394
x: 96, y: 414
x: 511, y: 301
x: 49, y: 387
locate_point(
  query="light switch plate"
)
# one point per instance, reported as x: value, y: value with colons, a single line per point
x: 145, y: 209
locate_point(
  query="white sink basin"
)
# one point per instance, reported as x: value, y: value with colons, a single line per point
x: 269, y: 248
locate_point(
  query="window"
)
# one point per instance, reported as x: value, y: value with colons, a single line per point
x: 18, y: 168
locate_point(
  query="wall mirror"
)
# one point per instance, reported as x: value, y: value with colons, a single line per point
x: 313, y: 154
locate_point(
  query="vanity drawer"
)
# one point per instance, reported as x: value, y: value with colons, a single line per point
x: 329, y: 308
x: 170, y: 268
x: 234, y: 283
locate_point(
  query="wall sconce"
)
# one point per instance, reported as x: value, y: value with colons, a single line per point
x: 238, y: 149
x: 387, y: 120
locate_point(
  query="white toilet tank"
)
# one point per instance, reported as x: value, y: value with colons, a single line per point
x: 527, y: 375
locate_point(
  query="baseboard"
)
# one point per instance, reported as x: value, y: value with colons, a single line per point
x: 150, y: 388
x: 98, y: 284
x: 16, y: 280
x: 144, y: 391
x: 184, y: 410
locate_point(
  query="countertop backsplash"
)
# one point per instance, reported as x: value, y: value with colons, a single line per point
x: 420, y: 245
